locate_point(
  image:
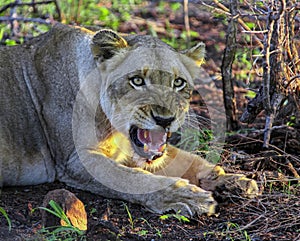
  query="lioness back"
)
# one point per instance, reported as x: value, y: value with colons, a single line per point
x: 38, y: 85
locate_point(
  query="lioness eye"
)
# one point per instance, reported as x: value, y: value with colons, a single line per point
x: 136, y: 81
x: 179, y: 83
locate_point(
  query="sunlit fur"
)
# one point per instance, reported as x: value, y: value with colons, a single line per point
x: 126, y: 105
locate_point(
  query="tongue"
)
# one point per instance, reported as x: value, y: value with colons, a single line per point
x: 153, y: 139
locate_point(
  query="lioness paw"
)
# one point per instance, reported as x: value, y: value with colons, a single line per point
x: 234, y: 183
x: 239, y: 184
x: 184, y: 197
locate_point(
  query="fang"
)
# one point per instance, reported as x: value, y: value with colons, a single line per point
x: 145, y: 134
x: 162, y: 148
x: 146, y: 147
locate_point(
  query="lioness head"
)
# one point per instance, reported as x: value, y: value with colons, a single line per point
x: 145, y: 87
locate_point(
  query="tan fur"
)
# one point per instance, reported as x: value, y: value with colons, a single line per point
x: 51, y: 128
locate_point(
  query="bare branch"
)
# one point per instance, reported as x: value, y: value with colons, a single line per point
x: 36, y: 20
x: 17, y: 4
x: 186, y: 20
x: 241, y: 22
x: 226, y: 68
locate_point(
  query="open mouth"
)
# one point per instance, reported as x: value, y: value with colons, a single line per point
x: 149, y: 144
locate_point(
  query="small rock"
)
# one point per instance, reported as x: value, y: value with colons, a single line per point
x: 71, y: 205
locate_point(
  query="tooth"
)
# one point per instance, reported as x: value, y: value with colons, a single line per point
x: 169, y: 134
x: 145, y: 134
x: 146, y: 147
x: 162, y: 148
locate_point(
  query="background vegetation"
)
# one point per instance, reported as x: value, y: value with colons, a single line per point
x: 233, y: 31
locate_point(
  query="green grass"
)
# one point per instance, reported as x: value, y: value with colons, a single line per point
x: 67, y: 232
x: 106, y: 14
x: 131, y: 220
x: 181, y: 218
x: 233, y: 230
x: 4, y: 213
x: 142, y: 232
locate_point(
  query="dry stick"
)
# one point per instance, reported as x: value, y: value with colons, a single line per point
x: 267, y: 78
x: 35, y: 20
x: 292, y: 80
x: 280, y: 69
x: 58, y: 10
x: 34, y: 6
x: 226, y: 68
x: 248, y: 225
x: 241, y: 22
x: 186, y: 21
x: 275, y: 78
x: 293, y: 170
x: 16, y: 4
x: 14, y: 24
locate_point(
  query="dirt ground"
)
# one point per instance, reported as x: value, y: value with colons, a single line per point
x: 274, y: 215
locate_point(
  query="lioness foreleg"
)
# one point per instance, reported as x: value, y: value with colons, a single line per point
x: 210, y: 177
x: 159, y: 194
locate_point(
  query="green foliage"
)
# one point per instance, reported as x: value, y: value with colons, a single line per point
x: 61, y: 233
x: 194, y: 140
x: 175, y: 6
x: 142, y: 232
x: 250, y: 25
x: 199, y: 141
x: 66, y: 233
x: 251, y: 94
x: 179, y: 42
x: 242, y: 58
x: 184, y: 35
x: 4, y: 213
x: 22, y: 29
x: 157, y: 231
x: 10, y: 42
x: 93, y: 210
x: 177, y: 215
x: 106, y: 13
x: 288, y: 187
x: 244, y: 62
x: 292, y: 121
x: 232, y: 229
x: 131, y: 221
x: 57, y: 211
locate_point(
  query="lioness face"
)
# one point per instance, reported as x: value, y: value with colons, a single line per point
x: 148, y: 98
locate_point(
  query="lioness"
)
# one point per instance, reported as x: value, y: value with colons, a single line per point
x: 96, y: 111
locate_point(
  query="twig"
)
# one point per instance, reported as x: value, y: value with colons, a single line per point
x: 226, y: 68
x: 186, y: 20
x: 36, y: 20
x: 240, y: 21
x: 266, y: 64
x: 252, y: 222
x: 16, y: 4
x: 58, y: 10
x: 271, y: 77
x: 293, y: 170
x: 292, y: 79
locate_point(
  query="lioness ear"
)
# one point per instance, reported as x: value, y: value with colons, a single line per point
x: 197, y: 53
x: 106, y: 43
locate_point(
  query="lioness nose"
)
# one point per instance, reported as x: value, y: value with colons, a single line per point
x: 162, y: 121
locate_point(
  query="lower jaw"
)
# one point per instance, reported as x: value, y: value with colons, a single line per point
x: 149, y: 164
x: 148, y: 156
